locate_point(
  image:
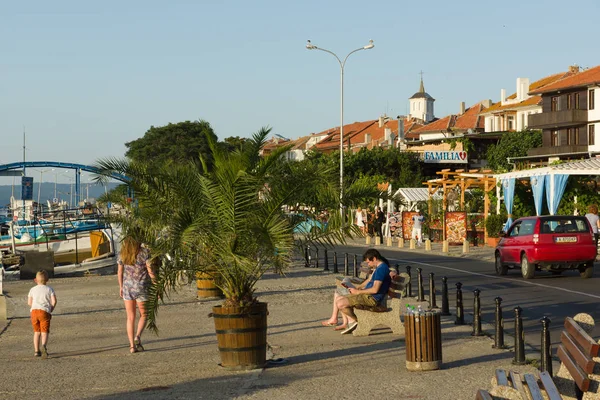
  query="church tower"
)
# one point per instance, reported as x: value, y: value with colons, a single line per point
x: 421, y: 104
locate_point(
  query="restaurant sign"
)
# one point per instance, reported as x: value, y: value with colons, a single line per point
x: 449, y: 157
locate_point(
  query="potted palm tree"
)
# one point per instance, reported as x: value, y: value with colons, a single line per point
x: 227, y: 218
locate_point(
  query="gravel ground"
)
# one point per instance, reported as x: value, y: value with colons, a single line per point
x: 89, y: 351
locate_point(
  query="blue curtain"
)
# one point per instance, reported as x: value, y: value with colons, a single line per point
x: 560, y: 183
x: 508, y: 188
x: 537, y: 187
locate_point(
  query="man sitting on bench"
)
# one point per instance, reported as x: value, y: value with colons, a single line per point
x: 369, y: 293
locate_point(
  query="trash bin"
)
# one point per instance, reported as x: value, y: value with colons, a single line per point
x: 423, y: 338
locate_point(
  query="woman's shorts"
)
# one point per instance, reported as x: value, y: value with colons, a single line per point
x: 40, y: 320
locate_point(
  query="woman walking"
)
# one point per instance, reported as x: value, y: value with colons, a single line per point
x: 135, y: 275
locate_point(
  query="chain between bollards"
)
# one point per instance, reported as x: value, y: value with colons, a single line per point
x: 432, y: 303
x: 476, y: 314
x: 409, y: 284
x: 421, y: 295
x: 499, y: 336
x: 519, y: 338
x: 460, y: 316
x: 325, y: 260
x: 445, y: 303
x: 546, y: 361
x: 335, y: 264
x: 346, y: 270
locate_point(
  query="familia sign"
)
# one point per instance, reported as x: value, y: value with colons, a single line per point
x: 450, y: 157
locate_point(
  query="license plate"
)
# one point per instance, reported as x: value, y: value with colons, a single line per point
x: 566, y: 239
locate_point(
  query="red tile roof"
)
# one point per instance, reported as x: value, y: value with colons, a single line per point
x: 469, y: 120
x: 588, y: 77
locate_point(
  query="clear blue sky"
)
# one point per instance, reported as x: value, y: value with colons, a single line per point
x: 85, y: 77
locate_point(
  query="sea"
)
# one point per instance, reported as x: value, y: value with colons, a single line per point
x: 47, y: 191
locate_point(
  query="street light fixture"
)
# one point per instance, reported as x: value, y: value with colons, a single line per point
x: 311, y: 46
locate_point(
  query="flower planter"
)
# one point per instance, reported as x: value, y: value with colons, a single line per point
x: 205, y: 283
x: 492, y: 241
x: 242, y: 336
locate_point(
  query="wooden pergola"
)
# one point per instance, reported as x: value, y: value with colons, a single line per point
x: 473, y: 178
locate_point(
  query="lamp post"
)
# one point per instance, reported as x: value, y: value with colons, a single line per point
x: 40, y: 185
x: 311, y: 46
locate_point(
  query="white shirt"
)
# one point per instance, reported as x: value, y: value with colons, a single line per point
x: 41, y: 295
x: 418, y: 221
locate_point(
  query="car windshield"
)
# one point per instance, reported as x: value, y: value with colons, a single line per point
x: 563, y: 225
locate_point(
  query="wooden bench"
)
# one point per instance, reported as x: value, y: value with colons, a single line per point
x: 526, y: 385
x: 388, y: 314
x: 576, y: 353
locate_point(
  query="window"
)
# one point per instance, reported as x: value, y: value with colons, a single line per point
x: 569, y: 101
x: 511, y: 122
x: 527, y: 227
x: 367, y: 138
x: 554, y: 103
x: 515, y: 230
x: 591, y: 135
x: 572, y: 136
x: 576, y: 101
x: 554, y: 138
x: 591, y: 100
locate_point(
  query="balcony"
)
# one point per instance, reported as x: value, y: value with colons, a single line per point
x: 555, y: 150
x: 557, y: 119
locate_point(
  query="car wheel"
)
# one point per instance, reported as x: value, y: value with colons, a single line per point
x: 501, y: 269
x: 527, y: 269
x: 587, y: 271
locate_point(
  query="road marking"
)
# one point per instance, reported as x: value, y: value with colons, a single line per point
x: 501, y: 278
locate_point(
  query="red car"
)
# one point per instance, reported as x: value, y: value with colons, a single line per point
x: 551, y: 243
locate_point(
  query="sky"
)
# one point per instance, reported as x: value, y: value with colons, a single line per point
x: 83, y: 78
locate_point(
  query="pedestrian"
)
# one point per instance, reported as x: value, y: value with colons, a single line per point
x: 42, y: 300
x: 379, y: 219
x: 592, y: 216
x: 135, y: 276
x: 417, y: 229
x: 360, y: 220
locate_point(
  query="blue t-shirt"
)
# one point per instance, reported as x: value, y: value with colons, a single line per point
x: 382, y: 273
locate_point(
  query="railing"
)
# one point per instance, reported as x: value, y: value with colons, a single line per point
x: 556, y: 119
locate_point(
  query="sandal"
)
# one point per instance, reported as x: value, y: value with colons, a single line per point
x: 138, y: 344
x: 132, y: 349
x: 340, y: 327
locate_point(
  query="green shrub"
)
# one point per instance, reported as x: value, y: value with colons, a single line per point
x: 494, y: 224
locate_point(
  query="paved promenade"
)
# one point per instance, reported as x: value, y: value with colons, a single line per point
x: 89, y: 352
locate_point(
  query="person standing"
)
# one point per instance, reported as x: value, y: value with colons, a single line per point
x: 135, y: 275
x: 42, y: 300
x: 379, y: 219
x: 594, y: 220
x: 359, y: 219
x: 417, y: 229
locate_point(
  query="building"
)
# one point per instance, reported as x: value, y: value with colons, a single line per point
x: 570, y: 120
x: 511, y: 113
x: 421, y: 105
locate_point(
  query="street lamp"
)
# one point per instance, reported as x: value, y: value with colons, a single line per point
x: 311, y: 46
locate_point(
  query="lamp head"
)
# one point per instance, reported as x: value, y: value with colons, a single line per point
x: 369, y: 46
x: 310, y: 46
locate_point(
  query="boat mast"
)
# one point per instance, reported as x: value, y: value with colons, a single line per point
x: 22, y: 199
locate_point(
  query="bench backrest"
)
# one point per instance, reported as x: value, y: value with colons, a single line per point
x: 397, y: 288
x: 576, y: 352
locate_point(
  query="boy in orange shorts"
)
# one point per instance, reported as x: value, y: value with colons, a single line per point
x: 42, y: 301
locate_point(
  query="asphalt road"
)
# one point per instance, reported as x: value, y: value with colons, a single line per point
x: 546, y: 295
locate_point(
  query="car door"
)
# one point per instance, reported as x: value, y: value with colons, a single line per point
x: 510, y: 244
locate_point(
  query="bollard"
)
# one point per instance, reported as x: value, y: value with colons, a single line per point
x: 465, y: 246
x: 460, y: 316
x: 499, y: 337
x: 412, y: 244
x: 432, y: 304
x: 388, y: 241
x: 409, y: 284
x: 546, y: 361
x: 306, y: 257
x: 368, y: 239
x: 445, y: 304
x: 397, y: 268
x: 355, y: 273
x: 316, y: 257
x: 428, y: 245
x: 325, y: 261
x: 400, y: 243
x: 346, y: 272
x: 519, y: 339
x: 377, y: 240
x: 476, y: 314
x: 421, y: 296
x: 445, y: 246
x: 335, y: 266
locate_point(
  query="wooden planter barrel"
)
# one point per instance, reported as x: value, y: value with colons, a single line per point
x: 205, y: 283
x: 423, y: 338
x: 242, y: 336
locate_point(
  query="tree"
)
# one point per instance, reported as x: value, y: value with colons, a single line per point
x: 172, y: 144
x: 512, y: 144
x: 232, y: 143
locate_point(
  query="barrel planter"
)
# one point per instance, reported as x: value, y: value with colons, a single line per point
x: 242, y: 336
x: 205, y: 283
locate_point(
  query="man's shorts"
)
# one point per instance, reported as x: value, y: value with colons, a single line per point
x: 362, y: 299
x: 40, y: 320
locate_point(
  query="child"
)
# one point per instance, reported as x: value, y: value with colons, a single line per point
x: 42, y: 301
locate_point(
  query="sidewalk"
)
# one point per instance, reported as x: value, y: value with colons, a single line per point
x: 89, y: 350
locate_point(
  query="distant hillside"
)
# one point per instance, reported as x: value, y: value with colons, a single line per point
x: 63, y: 191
